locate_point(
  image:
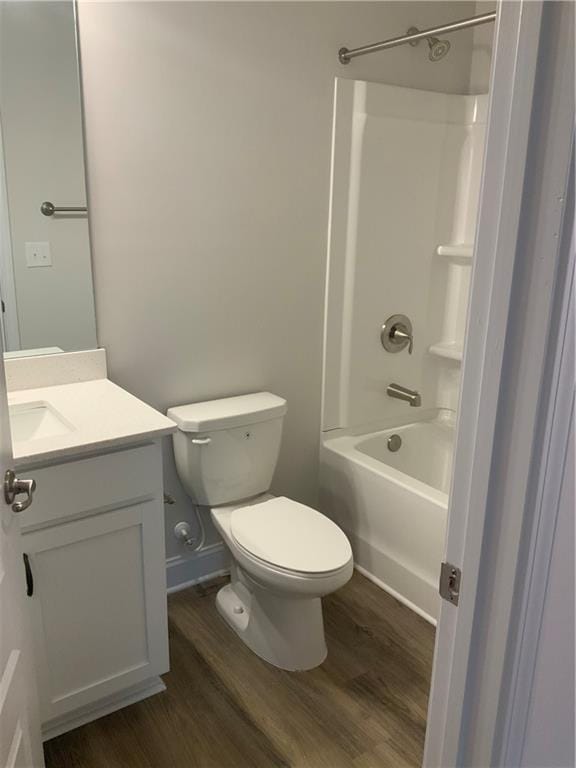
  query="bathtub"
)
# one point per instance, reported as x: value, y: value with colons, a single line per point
x: 393, y: 504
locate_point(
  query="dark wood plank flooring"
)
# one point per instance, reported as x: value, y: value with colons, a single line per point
x: 365, y: 707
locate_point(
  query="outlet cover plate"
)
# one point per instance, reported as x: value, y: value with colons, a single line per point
x: 38, y: 254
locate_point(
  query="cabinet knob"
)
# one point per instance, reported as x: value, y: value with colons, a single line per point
x: 29, y: 576
x: 13, y: 487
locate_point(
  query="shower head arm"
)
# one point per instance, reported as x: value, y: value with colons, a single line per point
x: 345, y: 54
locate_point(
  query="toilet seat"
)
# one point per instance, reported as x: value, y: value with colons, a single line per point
x: 290, y: 536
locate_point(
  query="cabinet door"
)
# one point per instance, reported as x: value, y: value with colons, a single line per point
x: 98, y: 605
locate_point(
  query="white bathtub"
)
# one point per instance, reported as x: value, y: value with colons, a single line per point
x: 393, y: 505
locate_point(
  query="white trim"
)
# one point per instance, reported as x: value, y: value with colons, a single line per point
x: 494, y: 447
x: 533, y: 587
x: 186, y: 571
x: 104, y: 707
x: 200, y: 580
x: 527, y: 381
x: 499, y: 211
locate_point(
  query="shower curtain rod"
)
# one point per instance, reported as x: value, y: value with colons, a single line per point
x: 346, y: 55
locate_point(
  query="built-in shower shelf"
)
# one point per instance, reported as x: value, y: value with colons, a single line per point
x: 460, y: 251
x: 447, y: 349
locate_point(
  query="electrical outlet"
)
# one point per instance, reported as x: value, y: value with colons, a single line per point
x: 38, y: 254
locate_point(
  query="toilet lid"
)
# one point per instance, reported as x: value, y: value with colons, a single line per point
x: 290, y: 535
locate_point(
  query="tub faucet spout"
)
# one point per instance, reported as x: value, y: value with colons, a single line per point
x: 401, y: 393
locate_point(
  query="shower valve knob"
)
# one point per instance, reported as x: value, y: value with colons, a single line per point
x: 396, y: 334
x: 400, y: 335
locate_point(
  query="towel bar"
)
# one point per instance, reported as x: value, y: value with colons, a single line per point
x: 49, y: 209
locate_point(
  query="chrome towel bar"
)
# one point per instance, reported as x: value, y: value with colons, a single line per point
x: 49, y: 209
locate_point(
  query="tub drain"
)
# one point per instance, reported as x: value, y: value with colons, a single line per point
x: 394, y: 443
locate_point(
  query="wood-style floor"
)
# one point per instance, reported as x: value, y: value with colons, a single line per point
x: 365, y: 707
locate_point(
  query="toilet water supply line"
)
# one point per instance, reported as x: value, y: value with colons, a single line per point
x: 183, y: 529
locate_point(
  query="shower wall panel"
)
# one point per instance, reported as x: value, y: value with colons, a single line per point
x: 405, y: 172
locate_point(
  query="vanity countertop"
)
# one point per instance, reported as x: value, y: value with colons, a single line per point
x: 101, y: 415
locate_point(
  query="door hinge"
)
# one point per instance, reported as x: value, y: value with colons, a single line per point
x: 450, y: 577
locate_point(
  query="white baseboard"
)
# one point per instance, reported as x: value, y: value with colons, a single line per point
x: 110, y: 704
x: 183, y: 572
x: 199, y: 580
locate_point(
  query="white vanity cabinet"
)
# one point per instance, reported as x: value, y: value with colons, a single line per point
x: 94, y: 538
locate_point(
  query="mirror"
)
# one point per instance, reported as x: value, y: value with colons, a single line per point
x: 45, y: 267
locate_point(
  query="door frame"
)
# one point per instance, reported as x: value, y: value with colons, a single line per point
x: 519, y: 258
x: 539, y: 537
x: 19, y: 710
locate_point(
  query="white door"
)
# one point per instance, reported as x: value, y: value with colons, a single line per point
x: 507, y: 379
x: 20, y: 741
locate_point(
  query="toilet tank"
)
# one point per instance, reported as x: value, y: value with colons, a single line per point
x: 226, y: 450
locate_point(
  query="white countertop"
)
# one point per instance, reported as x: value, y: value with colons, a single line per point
x: 102, y: 415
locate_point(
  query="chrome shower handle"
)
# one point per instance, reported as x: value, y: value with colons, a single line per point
x: 401, y: 334
x: 396, y: 334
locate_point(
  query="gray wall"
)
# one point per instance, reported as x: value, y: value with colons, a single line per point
x: 209, y: 133
x: 481, y: 49
x: 43, y: 154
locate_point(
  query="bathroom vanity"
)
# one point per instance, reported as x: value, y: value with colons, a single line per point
x: 93, y: 540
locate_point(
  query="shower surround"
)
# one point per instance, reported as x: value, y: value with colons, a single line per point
x: 406, y: 169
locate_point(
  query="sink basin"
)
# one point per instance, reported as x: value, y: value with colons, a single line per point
x: 34, y: 421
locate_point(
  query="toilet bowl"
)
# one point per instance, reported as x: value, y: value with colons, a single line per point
x: 285, y: 556
x: 273, y: 600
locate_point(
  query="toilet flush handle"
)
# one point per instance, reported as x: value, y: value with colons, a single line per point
x: 201, y: 440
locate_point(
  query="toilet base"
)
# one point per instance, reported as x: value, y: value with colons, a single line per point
x: 287, y: 632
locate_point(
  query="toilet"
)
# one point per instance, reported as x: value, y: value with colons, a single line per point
x: 285, y: 556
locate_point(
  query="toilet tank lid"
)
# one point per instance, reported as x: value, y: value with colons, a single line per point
x: 228, y: 412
